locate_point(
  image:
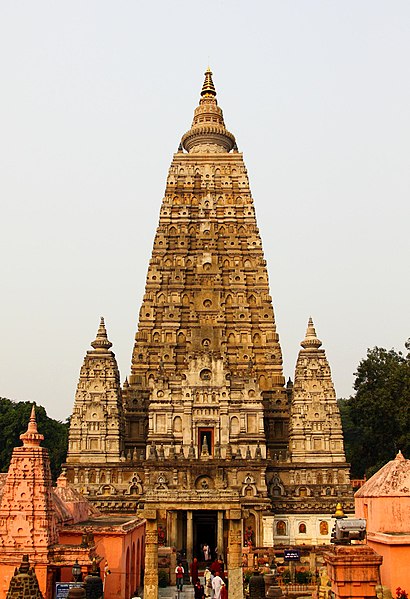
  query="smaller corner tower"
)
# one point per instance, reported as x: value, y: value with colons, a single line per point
x: 97, y: 424
x: 316, y: 434
x: 27, y: 519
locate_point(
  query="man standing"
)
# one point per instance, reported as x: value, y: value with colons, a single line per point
x: 216, y: 585
x: 194, y: 570
x: 179, y: 571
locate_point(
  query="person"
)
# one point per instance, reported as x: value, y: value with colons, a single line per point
x: 216, y: 566
x: 194, y: 571
x: 179, y: 571
x: 224, y: 591
x: 205, y: 549
x: 216, y: 585
x: 208, y: 582
x: 199, y: 592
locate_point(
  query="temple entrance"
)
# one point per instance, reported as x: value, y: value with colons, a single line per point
x: 205, y: 533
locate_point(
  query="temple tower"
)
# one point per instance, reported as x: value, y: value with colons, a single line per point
x: 97, y: 424
x: 305, y: 489
x: 207, y: 354
x: 28, y: 522
x: 205, y: 410
x: 316, y: 435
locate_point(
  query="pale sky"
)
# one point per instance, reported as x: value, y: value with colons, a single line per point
x: 95, y: 96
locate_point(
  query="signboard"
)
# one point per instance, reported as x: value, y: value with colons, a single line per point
x: 291, y: 555
x: 62, y: 588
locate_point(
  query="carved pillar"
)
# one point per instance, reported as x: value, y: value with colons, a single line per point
x: 172, y: 528
x: 220, y: 534
x: 235, y: 555
x: 151, y: 555
x: 189, y: 536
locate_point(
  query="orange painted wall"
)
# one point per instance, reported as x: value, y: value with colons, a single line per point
x: 395, y: 568
x: 123, y: 552
x: 389, y: 515
x: 7, y: 572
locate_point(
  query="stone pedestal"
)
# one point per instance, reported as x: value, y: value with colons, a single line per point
x: 353, y: 571
x: 151, y: 556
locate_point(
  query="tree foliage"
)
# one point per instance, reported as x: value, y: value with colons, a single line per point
x: 14, y: 418
x: 376, y: 420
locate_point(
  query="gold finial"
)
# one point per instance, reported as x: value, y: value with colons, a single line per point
x: 208, y: 88
x: 339, y: 513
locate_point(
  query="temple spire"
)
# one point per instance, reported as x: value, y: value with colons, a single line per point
x: 101, y: 342
x: 208, y: 88
x: 32, y: 437
x: 311, y: 341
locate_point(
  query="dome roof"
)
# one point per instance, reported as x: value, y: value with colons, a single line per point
x: 392, y: 480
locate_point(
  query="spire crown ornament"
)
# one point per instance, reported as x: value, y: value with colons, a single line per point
x: 208, y: 88
x: 208, y: 133
x: 32, y: 438
x: 311, y: 341
x: 101, y: 342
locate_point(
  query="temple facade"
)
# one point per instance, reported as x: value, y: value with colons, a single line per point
x: 204, y: 435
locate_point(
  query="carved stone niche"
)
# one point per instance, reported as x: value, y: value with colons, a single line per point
x: 204, y: 483
x: 249, y: 487
x: 161, y: 482
x: 107, y: 489
x: 135, y: 485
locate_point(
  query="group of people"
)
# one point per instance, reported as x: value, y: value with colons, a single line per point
x: 214, y: 586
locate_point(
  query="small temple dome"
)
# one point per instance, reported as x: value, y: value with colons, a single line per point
x: 392, y: 480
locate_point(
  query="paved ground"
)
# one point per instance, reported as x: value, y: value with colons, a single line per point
x: 172, y: 593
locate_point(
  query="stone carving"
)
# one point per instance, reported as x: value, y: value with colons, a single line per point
x: 135, y: 485
x: 249, y: 486
x: 162, y: 482
x: 204, y: 483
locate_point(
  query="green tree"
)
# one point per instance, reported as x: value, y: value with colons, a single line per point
x: 378, y: 415
x: 14, y: 417
x: 350, y: 432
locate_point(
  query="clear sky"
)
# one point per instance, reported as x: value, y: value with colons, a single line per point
x: 95, y: 96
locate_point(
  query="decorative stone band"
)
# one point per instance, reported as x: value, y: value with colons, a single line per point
x: 208, y: 134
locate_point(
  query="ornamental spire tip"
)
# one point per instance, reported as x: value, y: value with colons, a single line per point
x: 311, y: 341
x: 208, y: 88
x: 101, y: 342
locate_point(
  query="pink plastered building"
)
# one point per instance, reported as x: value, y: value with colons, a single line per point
x: 384, y: 501
x: 57, y: 526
